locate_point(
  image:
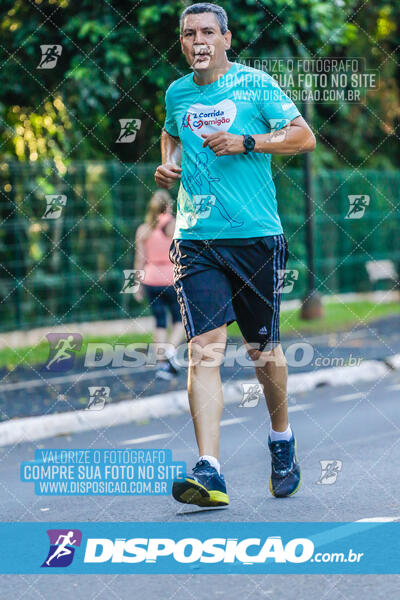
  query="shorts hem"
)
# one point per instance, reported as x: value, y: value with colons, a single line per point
x: 223, y: 322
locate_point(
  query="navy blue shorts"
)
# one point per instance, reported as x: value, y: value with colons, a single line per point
x: 218, y: 284
x: 162, y: 299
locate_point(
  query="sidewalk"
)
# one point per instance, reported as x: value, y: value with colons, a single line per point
x: 32, y: 337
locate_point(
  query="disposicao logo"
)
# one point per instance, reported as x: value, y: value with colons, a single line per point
x: 189, y: 550
x: 62, y: 547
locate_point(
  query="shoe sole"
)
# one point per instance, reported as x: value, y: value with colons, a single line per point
x: 296, y: 489
x: 192, y: 492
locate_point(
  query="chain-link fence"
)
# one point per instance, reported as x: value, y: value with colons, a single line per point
x: 67, y: 236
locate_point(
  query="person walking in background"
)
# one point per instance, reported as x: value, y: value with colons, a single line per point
x: 152, y: 244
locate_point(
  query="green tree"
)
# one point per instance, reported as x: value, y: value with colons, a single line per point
x: 117, y: 59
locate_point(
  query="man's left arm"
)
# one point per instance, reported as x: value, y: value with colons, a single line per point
x: 294, y: 138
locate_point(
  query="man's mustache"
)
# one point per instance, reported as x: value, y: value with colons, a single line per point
x: 203, y: 50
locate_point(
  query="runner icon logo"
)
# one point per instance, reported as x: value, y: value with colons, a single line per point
x: 357, y: 206
x: 54, y: 206
x: 50, y: 55
x: 330, y: 470
x: 251, y: 395
x: 63, y: 347
x: 98, y: 396
x: 286, y: 279
x: 129, y: 129
x: 132, y: 279
x: 62, y: 547
x: 279, y: 129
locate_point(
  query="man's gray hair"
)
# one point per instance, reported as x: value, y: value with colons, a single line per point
x: 203, y: 7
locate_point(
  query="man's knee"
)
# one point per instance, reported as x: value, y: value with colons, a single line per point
x: 268, y: 358
x: 207, y: 349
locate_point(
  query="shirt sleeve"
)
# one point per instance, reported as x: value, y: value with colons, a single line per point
x: 276, y: 108
x: 170, y: 121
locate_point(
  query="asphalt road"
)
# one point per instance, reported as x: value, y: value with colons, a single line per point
x: 358, y: 425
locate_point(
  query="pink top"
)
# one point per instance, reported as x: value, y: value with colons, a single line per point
x: 158, y: 268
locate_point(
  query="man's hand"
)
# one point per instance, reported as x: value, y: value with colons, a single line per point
x: 167, y: 174
x: 223, y: 143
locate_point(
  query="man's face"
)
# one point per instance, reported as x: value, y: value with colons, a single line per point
x: 202, y: 42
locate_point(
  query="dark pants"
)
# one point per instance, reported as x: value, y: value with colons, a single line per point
x: 162, y: 300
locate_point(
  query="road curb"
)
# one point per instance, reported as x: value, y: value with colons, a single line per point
x: 31, y: 429
x: 21, y: 339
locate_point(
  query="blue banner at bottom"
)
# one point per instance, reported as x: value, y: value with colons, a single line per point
x: 243, y: 548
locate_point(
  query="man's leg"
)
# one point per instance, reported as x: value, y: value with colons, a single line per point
x: 257, y: 306
x: 271, y: 371
x: 205, y: 486
x: 205, y: 388
x: 205, y: 300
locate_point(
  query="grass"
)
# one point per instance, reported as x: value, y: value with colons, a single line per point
x: 337, y: 316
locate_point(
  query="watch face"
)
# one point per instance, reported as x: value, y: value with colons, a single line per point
x: 249, y: 142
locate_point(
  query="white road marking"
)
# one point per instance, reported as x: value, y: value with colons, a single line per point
x: 392, y: 388
x: 299, y: 407
x: 224, y: 423
x: 378, y: 520
x: 346, y: 397
x: 234, y: 421
x: 147, y: 438
x: 81, y: 376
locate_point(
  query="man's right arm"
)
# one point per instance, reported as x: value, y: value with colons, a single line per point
x: 169, y: 171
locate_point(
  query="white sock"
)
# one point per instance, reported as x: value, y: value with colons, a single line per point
x: 280, y: 435
x: 170, y: 352
x: 214, y: 462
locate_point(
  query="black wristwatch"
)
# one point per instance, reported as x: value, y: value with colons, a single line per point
x: 248, y: 143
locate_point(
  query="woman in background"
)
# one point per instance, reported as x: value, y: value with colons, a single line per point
x: 153, y: 240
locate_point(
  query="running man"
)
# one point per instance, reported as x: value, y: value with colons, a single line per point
x: 131, y: 282
x: 130, y: 128
x: 359, y: 205
x: 54, y: 206
x: 62, y: 549
x: 99, y: 397
x: 65, y: 347
x: 222, y: 273
x: 50, y: 55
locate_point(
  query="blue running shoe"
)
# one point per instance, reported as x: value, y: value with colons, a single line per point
x: 203, y: 487
x: 285, y: 470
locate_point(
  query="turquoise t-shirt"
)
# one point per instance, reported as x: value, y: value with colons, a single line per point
x: 223, y: 197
